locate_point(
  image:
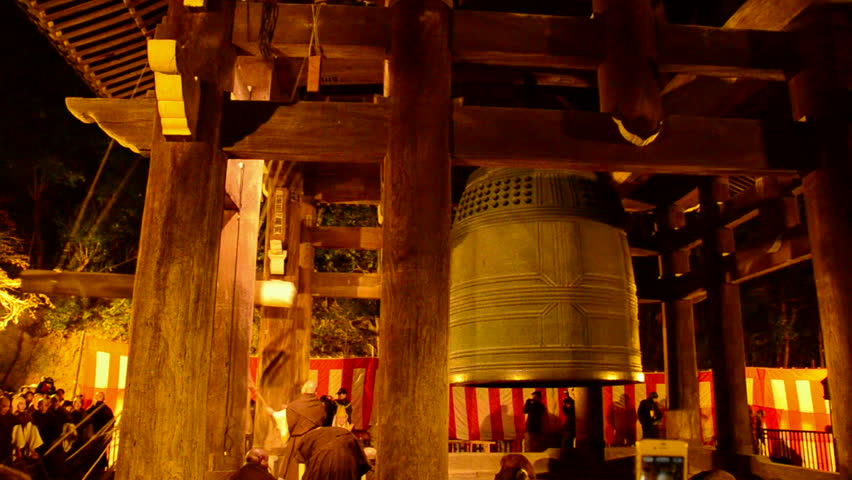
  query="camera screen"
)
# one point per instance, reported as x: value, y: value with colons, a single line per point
x: 662, y: 468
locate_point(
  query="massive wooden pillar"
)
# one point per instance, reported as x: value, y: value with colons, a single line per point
x: 227, y: 404
x: 163, y: 429
x: 683, y: 419
x: 814, y: 95
x: 412, y: 405
x: 725, y: 329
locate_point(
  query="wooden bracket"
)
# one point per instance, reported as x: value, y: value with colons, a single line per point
x: 177, y: 97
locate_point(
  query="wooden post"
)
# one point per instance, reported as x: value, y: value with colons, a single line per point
x: 627, y: 78
x: 227, y: 404
x: 682, y: 372
x: 285, y: 333
x: 683, y: 419
x: 412, y: 405
x: 591, y: 443
x: 724, y: 320
x: 814, y: 95
x: 163, y: 429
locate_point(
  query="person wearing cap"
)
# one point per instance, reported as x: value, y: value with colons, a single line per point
x: 343, y: 401
x: 650, y: 416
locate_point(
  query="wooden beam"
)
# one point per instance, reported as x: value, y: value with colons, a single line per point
x: 541, y: 41
x: 630, y: 38
x: 416, y: 202
x: 725, y: 332
x: 688, y: 286
x: 359, y: 238
x: 500, y: 137
x: 489, y: 137
x: 726, y: 52
x: 814, y: 95
x: 130, y: 123
x: 683, y: 422
x: 232, y: 322
x: 343, y: 183
x: 789, y: 248
x: 83, y: 284
x: 307, y: 131
x: 175, y: 284
x: 744, y: 206
x: 754, y: 14
x: 346, y: 285
x: 536, y: 40
x: 344, y: 31
x: 117, y: 285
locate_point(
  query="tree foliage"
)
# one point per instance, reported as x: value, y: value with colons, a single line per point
x: 102, y: 318
x: 14, y: 305
x: 781, y: 319
x: 345, y: 327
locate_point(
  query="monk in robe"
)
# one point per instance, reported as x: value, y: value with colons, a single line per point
x: 303, y: 414
x: 332, y: 453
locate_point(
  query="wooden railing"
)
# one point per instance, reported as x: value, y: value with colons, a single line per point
x: 808, y: 449
x: 482, y: 446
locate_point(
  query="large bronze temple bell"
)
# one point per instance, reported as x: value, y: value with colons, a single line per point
x: 541, y: 282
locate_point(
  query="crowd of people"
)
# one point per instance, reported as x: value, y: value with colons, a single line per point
x: 49, y: 436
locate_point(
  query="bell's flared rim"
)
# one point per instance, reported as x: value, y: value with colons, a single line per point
x: 556, y: 378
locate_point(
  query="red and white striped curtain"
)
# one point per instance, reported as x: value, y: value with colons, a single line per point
x: 791, y: 399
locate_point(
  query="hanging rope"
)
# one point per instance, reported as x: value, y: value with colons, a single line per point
x: 315, y: 17
x: 268, y: 21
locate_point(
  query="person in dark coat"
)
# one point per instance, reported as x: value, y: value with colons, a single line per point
x: 49, y: 424
x: 101, y: 417
x: 256, y: 467
x: 570, y: 428
x: 330, y: 410
x: 332, y: 453
x: 304, y: 414
x: 650, y: 416
x: 534, y: 431
x: 7, y: 425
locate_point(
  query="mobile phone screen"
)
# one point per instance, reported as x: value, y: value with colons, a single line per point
x: 662, y: 468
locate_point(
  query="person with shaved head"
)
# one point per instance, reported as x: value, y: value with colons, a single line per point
x: 256, y: 467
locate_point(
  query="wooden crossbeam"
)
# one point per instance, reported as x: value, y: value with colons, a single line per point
x: 542, y: 41
x: 758, y: 15
x: 789, y: 248
x: 359, y: 238
x: 343, y: 183
x: 117, y: 285
x: 734, y: 211
x: 485, y: 136
x: 346, y: 285
x: 83, y: 284
x: 500, y: 137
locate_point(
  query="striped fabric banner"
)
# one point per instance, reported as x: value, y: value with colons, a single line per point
x: 791, y: 399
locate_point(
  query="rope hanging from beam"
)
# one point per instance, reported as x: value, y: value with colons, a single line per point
x: 268, y: 21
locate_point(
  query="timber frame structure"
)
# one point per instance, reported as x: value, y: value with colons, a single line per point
x: 740, y: 116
